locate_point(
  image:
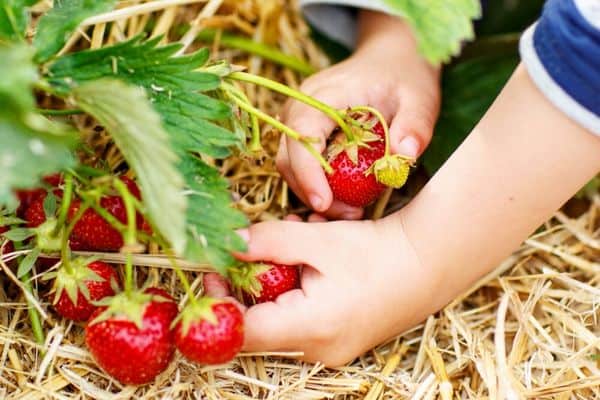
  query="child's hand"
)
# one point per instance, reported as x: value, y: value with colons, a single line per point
x: 385, y: 72
x: 358, y: 292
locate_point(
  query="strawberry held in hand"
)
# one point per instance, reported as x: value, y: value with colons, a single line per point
x: 132, y: 339
x: 210, y: 331
x: 263, y: 282
x: 80, y: 284
x: 351, y: 182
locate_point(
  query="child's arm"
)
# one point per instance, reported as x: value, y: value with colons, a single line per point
x: 372, y: 280
x: 386, y: 72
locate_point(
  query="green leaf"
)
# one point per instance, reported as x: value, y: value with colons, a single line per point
x: 30, y: 145
x: 50, y: 205
x: 4, y: 221
x: 173, y: 84
x: 439, y: 25
x: 212, y: 219
x: 18, y: 234
x: 126, y: 113
x: 469, y: 89
x: 56, y: 26
x: 14, y: 18
x: 28, y: 262
x: 19, y: 74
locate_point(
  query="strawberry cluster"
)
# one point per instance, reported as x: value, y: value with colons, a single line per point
x: 133, y: 334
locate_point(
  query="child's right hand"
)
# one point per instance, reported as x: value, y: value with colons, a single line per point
x: 385, y: 72
x: 351, y: 293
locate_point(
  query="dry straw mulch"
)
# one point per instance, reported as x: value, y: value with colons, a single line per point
x: 528, y: 330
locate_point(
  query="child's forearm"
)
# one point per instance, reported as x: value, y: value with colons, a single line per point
x: 520, y: 164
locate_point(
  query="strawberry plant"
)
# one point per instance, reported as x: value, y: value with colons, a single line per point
x: 172, y: 119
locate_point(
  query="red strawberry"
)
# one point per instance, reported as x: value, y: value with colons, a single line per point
x: 210, y: 332
x: 9, y: 247
x: 26, y: 197
x: 34, y: 214
x: 132, y: 340
x: 262, y: 282
x: 94, y: 233
x: 86, y: 283
x: 350, y: 182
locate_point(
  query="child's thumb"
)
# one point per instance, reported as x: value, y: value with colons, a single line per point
x: 278, y: 326
x: 412, y: 128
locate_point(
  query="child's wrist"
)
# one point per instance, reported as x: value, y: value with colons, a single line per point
x: 379, y: 29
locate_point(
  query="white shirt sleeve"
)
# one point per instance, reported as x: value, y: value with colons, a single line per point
x: 336, y: 19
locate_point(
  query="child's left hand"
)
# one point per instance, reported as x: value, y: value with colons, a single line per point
x: 355, y: 294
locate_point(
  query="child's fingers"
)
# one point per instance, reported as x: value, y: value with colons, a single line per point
x: 283, y: 325
x: 412, y: 127
x: 215, y: 285
x: 309, y: 174
x: 285, y: 242
x: 337, y: 210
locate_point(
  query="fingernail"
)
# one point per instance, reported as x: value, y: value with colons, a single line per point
x: 316, y: 202
x: 244, y: 234
x: 409, y: 147
x: 351, y: 215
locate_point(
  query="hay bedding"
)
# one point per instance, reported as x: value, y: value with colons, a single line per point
x: 528, y: 330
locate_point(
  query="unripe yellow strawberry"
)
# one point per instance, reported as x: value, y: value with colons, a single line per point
x: 392, y: 170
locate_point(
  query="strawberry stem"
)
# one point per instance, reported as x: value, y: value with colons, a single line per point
x: 295, y: 94
x: 285, y: 129
x: 182, y: 278
x: 184, y: 281
x: 64, y: 251
x: 66, y: 203
x: 255, y: 144
x: 34, y: 316
x: 381, y: 119
x: 251, y: 46
x: 128, y: 274
x: 130, y: 233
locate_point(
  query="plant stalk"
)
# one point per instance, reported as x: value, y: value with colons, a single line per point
x: 66, y: 203
x: 34, y: 316
x: 285, y: 129
x: 259, y: 49
x: 295, y: 94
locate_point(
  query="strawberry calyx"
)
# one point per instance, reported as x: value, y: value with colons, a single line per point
x: 391, y: 170
x: 361, y: 138
x: 128, y: 306
x: 245, y: 277
x: 198, y: 311
x: 72, y: 278
x: 46, y: 238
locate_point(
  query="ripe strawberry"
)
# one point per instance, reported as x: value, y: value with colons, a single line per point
x: 9, y: 247
x: 132, y: 339
x: 94, y: 233
x: 34, y: 214
x: 26, y: 197
x: 210, y: 332
x: 262, y: 282
x: 77, y: 289
x: 350, y: 182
